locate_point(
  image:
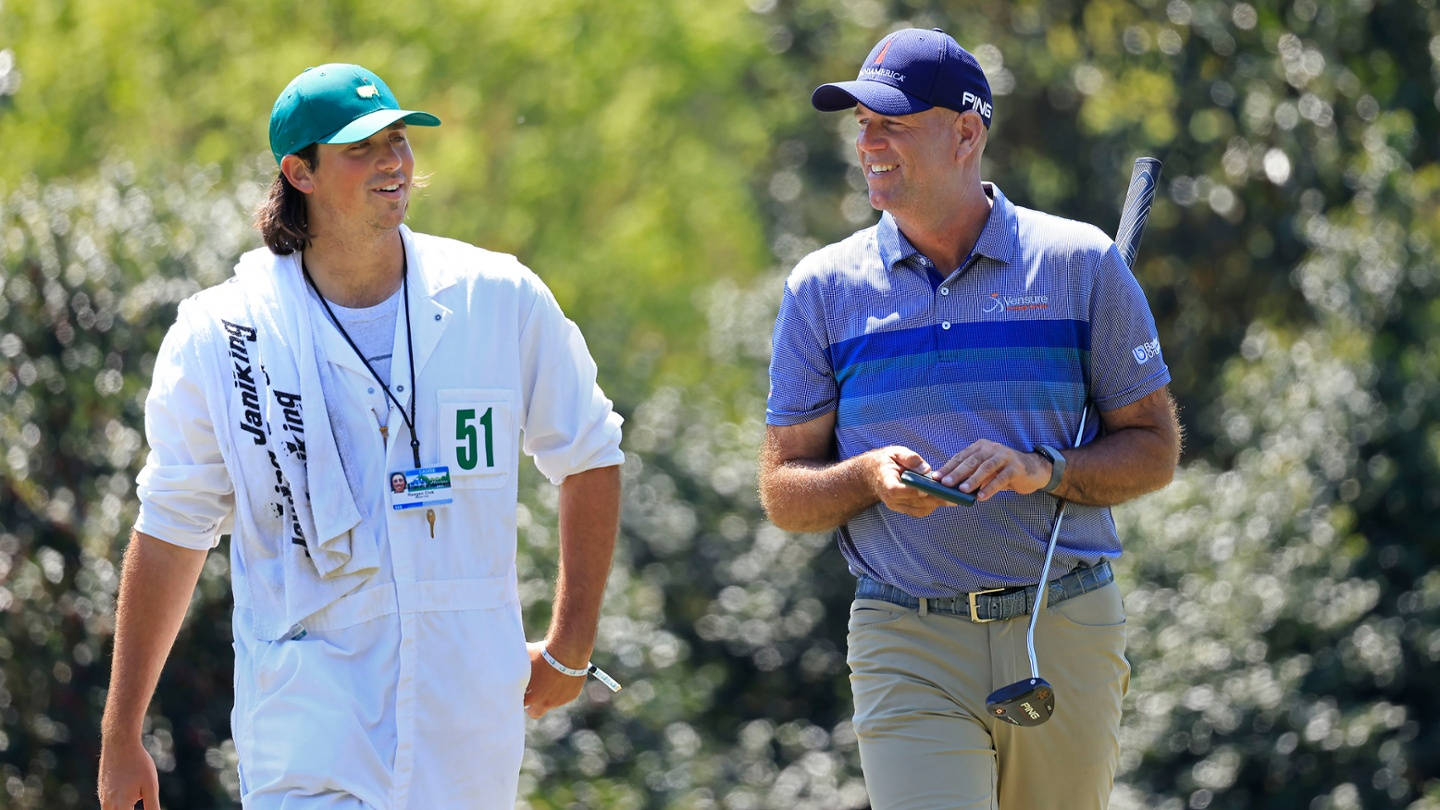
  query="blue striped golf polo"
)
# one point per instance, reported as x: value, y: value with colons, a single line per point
x: 1043, y: 316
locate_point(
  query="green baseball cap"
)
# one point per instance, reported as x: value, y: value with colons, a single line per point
x: 335, y: 103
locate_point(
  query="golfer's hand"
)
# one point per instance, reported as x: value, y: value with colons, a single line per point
x: 985, y: 468
x: 549, y: 687
x: 127, y: 775
x: 886, y: 465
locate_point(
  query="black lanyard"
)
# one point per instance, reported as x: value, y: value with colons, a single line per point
x: 409, y: 348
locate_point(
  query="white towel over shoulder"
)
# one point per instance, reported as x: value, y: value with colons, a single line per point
x: 296, y: 506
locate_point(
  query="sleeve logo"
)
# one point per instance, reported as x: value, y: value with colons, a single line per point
x: 1145, y: 351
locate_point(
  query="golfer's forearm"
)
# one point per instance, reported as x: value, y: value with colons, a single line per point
x: 156, y: 583
x: 814, y: 496
x: 1118, y: 467
x: 589, y: 522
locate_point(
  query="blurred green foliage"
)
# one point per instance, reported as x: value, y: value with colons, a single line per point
x: 659, y: 165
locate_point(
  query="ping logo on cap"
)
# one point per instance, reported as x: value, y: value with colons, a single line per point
x: 976, y: 103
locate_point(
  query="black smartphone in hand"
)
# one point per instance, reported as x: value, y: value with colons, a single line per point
x: 939, y: 490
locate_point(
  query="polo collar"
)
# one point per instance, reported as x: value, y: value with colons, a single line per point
x: 997, y: 238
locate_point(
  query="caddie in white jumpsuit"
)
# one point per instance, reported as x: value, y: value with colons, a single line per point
x: 350, y: 408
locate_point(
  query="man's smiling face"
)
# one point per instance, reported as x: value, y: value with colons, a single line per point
x: 905, y: 157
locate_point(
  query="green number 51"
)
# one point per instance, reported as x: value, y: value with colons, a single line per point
x: 468, y: 455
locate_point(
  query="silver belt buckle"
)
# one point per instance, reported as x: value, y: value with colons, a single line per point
x: 974, y: 609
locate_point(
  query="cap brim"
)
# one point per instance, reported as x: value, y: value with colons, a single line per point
x: 371, y: 123
x: 878, y: 96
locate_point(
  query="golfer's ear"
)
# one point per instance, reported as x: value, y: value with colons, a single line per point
x: 299, y: 174
x: 970, y: 134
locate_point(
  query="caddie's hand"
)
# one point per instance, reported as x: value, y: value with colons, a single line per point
x: 985, y: 468
x: 886, y: 465
x: 127, y: 776
x: 550, y: 688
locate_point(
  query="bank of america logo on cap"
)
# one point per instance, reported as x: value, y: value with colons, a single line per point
x: 880, y: 59
x: 911, y: 71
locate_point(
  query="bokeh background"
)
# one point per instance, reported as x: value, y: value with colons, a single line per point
x: 658, y: 163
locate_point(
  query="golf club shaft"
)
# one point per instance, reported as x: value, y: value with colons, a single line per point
x: 1043, y: 590
x: 1144, y: 177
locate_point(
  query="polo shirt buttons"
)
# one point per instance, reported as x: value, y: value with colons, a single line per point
x: 944, y: 324
x: 944, y: 290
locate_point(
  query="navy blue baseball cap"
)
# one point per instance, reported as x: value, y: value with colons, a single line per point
x: 911, y: 71
x: 335, y: 103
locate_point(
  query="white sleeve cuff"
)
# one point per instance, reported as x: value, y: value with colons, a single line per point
x: 185, y: 505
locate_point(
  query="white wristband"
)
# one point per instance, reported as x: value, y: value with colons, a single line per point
x: 574, y: 673
x: 590, y: 669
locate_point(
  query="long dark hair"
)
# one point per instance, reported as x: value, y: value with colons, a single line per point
x: 281, y: 218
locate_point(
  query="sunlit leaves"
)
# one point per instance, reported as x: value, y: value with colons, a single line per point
x: 660, y: 167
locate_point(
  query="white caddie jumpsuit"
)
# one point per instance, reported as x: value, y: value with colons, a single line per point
x: 406, y: 691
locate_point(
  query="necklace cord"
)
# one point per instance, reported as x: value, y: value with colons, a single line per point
x: 409, y: 348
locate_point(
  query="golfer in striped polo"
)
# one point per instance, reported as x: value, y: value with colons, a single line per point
x: 963, y: 336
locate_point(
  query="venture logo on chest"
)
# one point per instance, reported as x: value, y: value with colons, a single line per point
x: 999, y: 303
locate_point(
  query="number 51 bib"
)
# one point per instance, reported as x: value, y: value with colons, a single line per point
x: 475, y: 435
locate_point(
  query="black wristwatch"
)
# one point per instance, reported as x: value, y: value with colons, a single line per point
x: 1057, y: 466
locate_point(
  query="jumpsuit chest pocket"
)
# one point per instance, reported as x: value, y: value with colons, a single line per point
x: 476, y: 429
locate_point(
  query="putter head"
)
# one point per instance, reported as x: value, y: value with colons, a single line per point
x: 1025, y: 703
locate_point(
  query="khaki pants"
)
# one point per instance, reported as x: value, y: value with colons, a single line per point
x: 926, y: 739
